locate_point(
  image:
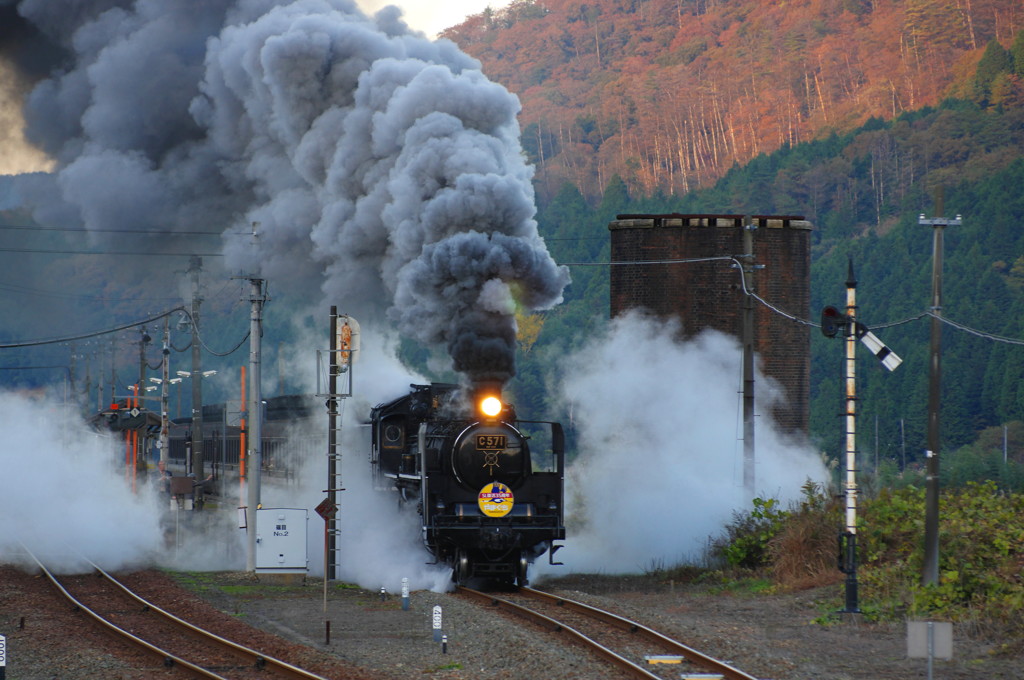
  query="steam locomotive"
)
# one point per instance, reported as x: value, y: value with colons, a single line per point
x: 489, y: 487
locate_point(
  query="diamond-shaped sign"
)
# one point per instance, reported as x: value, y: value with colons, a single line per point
x: 327, y: 509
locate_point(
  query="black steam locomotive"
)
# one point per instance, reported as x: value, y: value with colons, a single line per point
x: 490, y: 505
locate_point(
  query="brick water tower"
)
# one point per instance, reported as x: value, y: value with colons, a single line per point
x: 710, y: 294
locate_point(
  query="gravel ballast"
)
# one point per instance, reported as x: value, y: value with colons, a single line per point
x: 773, y: 637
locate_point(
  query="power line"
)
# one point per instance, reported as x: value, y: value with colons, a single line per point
x: 791, y: 317
x: 146, y: 232
x: 972, y: 331
x: 616, y: 263
x: 47, y: 251
x: 223, y: 354
x: 68, y: 296
x: 574, y: 238
x: 85, y: 336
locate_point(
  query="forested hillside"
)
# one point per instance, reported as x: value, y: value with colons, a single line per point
x: 670, y: 94
x: 864, y: 191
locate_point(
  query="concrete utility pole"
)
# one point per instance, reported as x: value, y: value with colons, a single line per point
x: 195, y: 267
x: 257, y: 297
x: 748, y: 359
x: 144, y: 340
x: 71, y: 375
x: 113, y: 371
x: 930, y: 571
x: 140, y: 391
x: 165, y: 386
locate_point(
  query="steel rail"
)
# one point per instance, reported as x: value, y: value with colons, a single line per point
x: 642, y: 631
x: 559, y: 627
x: 168, y: 658
x: 260, y: 660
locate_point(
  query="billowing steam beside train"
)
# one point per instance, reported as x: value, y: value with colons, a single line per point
x: 489, y: 487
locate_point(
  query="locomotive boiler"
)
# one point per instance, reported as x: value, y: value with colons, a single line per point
x: 488, y: 486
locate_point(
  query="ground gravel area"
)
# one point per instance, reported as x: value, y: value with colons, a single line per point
x: 372, y: 637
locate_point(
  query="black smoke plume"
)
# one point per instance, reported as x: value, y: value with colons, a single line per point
x: 381, y: 166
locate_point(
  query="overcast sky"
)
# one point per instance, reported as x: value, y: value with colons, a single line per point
x: 433, y: 16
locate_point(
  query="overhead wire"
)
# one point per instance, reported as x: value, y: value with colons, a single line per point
x: 95, y: 334
x: 122, y: 327
x: 141, y: 232
x: 13, y: 287
x: 777, y: 310
x: 48, y: 251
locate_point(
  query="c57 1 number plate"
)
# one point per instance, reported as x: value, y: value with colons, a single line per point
x: 490, y: 441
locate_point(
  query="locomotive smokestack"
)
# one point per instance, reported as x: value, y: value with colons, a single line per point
x: 485, y: 398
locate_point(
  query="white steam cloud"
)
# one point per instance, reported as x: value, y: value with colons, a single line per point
x: 660, y: 464
x: 62, y: 494
x: 659, y: 471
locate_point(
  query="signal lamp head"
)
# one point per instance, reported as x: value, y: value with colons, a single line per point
x: 490, y: 406
x: 833, y: 321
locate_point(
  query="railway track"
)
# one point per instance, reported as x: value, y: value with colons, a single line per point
x: 638, y: 651
x: 175, y: 642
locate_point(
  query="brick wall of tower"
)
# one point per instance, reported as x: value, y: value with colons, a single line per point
x: 709, y: 294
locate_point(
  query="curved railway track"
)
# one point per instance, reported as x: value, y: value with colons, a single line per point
x: 176, y: 642
x: 638, y: 651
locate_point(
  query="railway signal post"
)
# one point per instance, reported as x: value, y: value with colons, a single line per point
x: 341, y: 357
x: 832, y: 322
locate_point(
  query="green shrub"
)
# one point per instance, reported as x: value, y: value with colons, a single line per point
x: 981, y: 554
x: 745, y: 544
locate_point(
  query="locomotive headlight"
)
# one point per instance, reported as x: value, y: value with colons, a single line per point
x: 490, y: 406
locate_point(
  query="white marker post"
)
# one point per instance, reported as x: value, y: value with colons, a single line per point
x: 3, y: 657
x: 405, y: 594
x: 437, y: 623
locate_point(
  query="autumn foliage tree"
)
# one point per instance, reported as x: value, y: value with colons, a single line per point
x: 669, y: 94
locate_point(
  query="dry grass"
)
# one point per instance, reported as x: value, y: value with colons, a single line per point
x: 803, y: 554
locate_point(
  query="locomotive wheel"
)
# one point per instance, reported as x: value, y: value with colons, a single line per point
x: 461, y: 573
x: 521, y: 571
